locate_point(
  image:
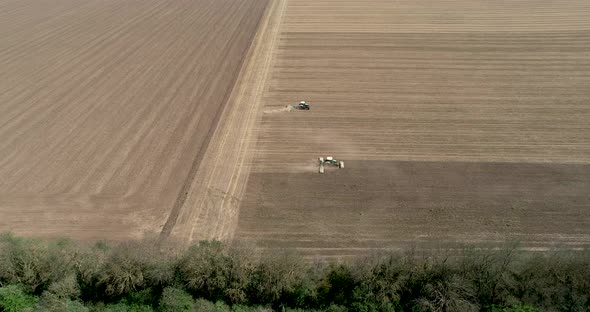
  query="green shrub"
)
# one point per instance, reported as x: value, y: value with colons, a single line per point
x: 216, y: 272
x: 491, y: 275
x: 517, y: 308
x: 89, y: 265
x: 35, y: 264
x: 67, y: 287
x: 380, y: 280
x: 337, y: 286
x: 133, y: 266
x: 52, y: 303
x: 122, y: 272
x: 24, y: 261
x: 243, y: 308
x: 121, y: 307
x: 436, y: 284
x: 281, y: 278
x: 14, y: 299
x: 146, y: 276
x: 203, y: 305
x: 174, y: 299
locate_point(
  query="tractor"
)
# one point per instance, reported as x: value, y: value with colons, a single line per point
x: 330, y: 161
x: 301, y: 106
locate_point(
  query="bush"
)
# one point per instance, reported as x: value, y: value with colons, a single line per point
x: 518, y: 308
x: 52, y: 303
x: 215, y: 272
x: 121, y: 307
x: 438, y: 286
x: 243, y: 308
x: 14, y: 299
x: 280, y: 278
x: 174, y: 299
x: 37, y: 265
x: 337, y: 286
x: 123, y: 271
x: 146, y: 276
x: 203, y: 305
x: 381, y: 278
x: 24, y: 261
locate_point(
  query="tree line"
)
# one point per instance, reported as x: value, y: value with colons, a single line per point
x: 62, y: 275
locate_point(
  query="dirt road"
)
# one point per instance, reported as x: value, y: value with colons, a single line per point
x: 106, y: 108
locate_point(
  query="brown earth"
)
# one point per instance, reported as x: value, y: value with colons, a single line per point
x: 458, y: 121
x: 213, y: 198
x: 107, y: 107
x: 392, y: 204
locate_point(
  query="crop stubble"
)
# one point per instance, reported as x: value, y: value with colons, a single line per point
x: 459, y: 121
x: 106, y: 108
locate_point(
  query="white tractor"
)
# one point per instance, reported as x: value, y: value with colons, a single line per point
x: 330, y: 161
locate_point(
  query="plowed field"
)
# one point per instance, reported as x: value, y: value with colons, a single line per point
x: 458, y: 121
x: 107, y: 107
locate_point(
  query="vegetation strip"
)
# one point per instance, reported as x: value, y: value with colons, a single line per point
x: 62, y: 275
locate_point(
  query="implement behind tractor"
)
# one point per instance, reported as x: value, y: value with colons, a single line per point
x: 330, y: 161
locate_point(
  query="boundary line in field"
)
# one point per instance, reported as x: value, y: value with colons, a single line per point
x: 212, y: 193
x: 194, y: 169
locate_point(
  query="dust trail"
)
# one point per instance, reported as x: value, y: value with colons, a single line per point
x: 287, y: 108
x: 337, y: 145
x: 309, y: 166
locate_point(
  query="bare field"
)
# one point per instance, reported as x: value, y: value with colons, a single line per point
x: 397, y: 204
x: 107, y: 107
x: 459, y: 121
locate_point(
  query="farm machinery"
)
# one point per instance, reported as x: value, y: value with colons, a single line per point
x: 330, y: 161
x: 301, y: 106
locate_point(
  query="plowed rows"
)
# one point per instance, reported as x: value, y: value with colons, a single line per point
x: 450, y: 116
x: 106, y: 107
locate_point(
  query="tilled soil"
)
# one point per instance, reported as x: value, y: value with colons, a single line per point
x: 458, y: 121
x: 393, y: 204
x: 106, y: 108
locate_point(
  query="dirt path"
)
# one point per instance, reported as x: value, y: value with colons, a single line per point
x: 212, y: 205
